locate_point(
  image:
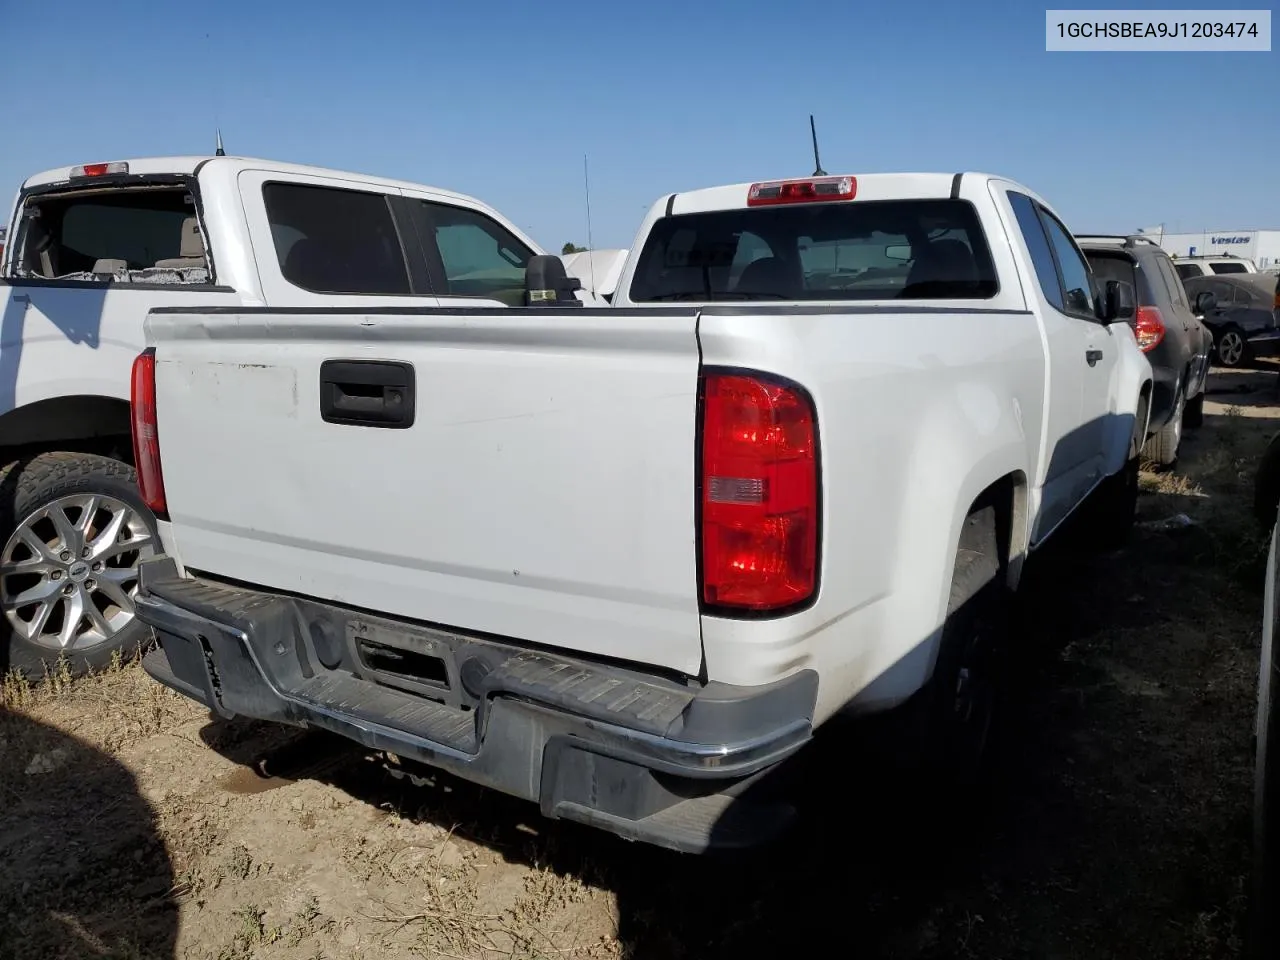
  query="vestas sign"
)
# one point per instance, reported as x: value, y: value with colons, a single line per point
x: 1226, y: 241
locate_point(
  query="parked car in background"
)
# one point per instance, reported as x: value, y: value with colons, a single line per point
x: 623, y: 561
x: 1213, y: 265
x: 1242, y: 312
x: 1176, y: 343
x: 91, y: 249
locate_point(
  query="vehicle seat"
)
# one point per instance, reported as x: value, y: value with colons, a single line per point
x: 945, y: 268
x: 770, y: 276
x: 190, y: 249
x: 307, y: 266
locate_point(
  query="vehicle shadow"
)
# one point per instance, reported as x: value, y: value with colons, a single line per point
x: 85, y: 871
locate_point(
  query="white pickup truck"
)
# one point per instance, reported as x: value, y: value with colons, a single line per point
x: 92, y: 249
x: 622, y: 562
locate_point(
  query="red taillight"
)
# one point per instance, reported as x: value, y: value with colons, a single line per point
x: 759, y: 493
x: 146, y: 439
x: 1149, y: 328
x: 802, y: 191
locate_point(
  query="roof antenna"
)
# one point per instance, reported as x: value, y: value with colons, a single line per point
x: 219, y: 152
x: 591, y: 260
x: 817, y: 164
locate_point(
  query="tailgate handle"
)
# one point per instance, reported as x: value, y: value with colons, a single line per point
x: 367, y: 393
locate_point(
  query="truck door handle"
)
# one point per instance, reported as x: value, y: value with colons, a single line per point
x: 367, y: 393
x: 1092, y: 357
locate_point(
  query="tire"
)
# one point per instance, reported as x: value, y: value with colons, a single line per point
x: 1193, y: 412
x: 1162, y: 446
x: 1114, y: 508
x: 1230, y: 349
x: 43, y: 500
x: 951, y: 718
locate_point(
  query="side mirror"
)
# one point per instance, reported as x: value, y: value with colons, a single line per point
x: 1206, y: 301
x: 547, y: 285
x: 1117, y: 302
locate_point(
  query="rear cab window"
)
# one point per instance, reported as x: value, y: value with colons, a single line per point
x: 1117, y: 265
x: 869, y: 250
x: 132, y: 232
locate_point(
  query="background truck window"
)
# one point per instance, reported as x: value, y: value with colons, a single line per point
x: 330, y: 240
x: 873, y: 250
x: 1024, y: 208
x: 478, y: 256
x: 1228, y: 268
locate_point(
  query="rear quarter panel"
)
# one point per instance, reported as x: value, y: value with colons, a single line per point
x: 918, y: 412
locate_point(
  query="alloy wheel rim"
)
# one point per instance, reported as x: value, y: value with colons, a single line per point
x: 69, y: 571
x: 1231, y: 348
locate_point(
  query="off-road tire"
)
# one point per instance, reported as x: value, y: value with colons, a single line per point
x: 25, y: 486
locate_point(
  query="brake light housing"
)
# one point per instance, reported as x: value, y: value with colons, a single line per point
x: 808, y: 190
x: 759, y: 495
x: 99, y: 169
x: 1148, y: 326
x: 146, y: 439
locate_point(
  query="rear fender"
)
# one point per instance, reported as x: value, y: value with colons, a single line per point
x: 960, y: 452
x: 1130, y: 378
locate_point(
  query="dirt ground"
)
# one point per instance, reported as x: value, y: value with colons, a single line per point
x: 1116, y: 825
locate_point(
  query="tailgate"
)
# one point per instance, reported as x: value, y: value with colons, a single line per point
x: 544, y: 490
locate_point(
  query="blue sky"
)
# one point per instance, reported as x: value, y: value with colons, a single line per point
x: 501, y: 100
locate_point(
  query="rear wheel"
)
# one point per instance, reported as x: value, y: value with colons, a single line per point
x: 1162, y: 447
x: 74, y: 530
x: 1230, y: 348
x: 1193, y: 412
x: 952, y: 716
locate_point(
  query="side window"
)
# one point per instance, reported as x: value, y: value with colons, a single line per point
x: 330, y: 240
x: 1072, y: 266
x: 1176, y: 293
x: 1188, y: 271
x: 1024, y: 209
x: 479, y: 256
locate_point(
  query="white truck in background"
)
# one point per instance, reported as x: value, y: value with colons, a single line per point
x: 622, y: 562
x: 91, y: 249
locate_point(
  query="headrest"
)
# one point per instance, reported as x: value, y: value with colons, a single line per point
x: 192, y: 243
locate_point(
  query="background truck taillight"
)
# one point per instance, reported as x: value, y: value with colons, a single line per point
x: 146, y: 440
x: 759, y: 490
x: 1148, y: 327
